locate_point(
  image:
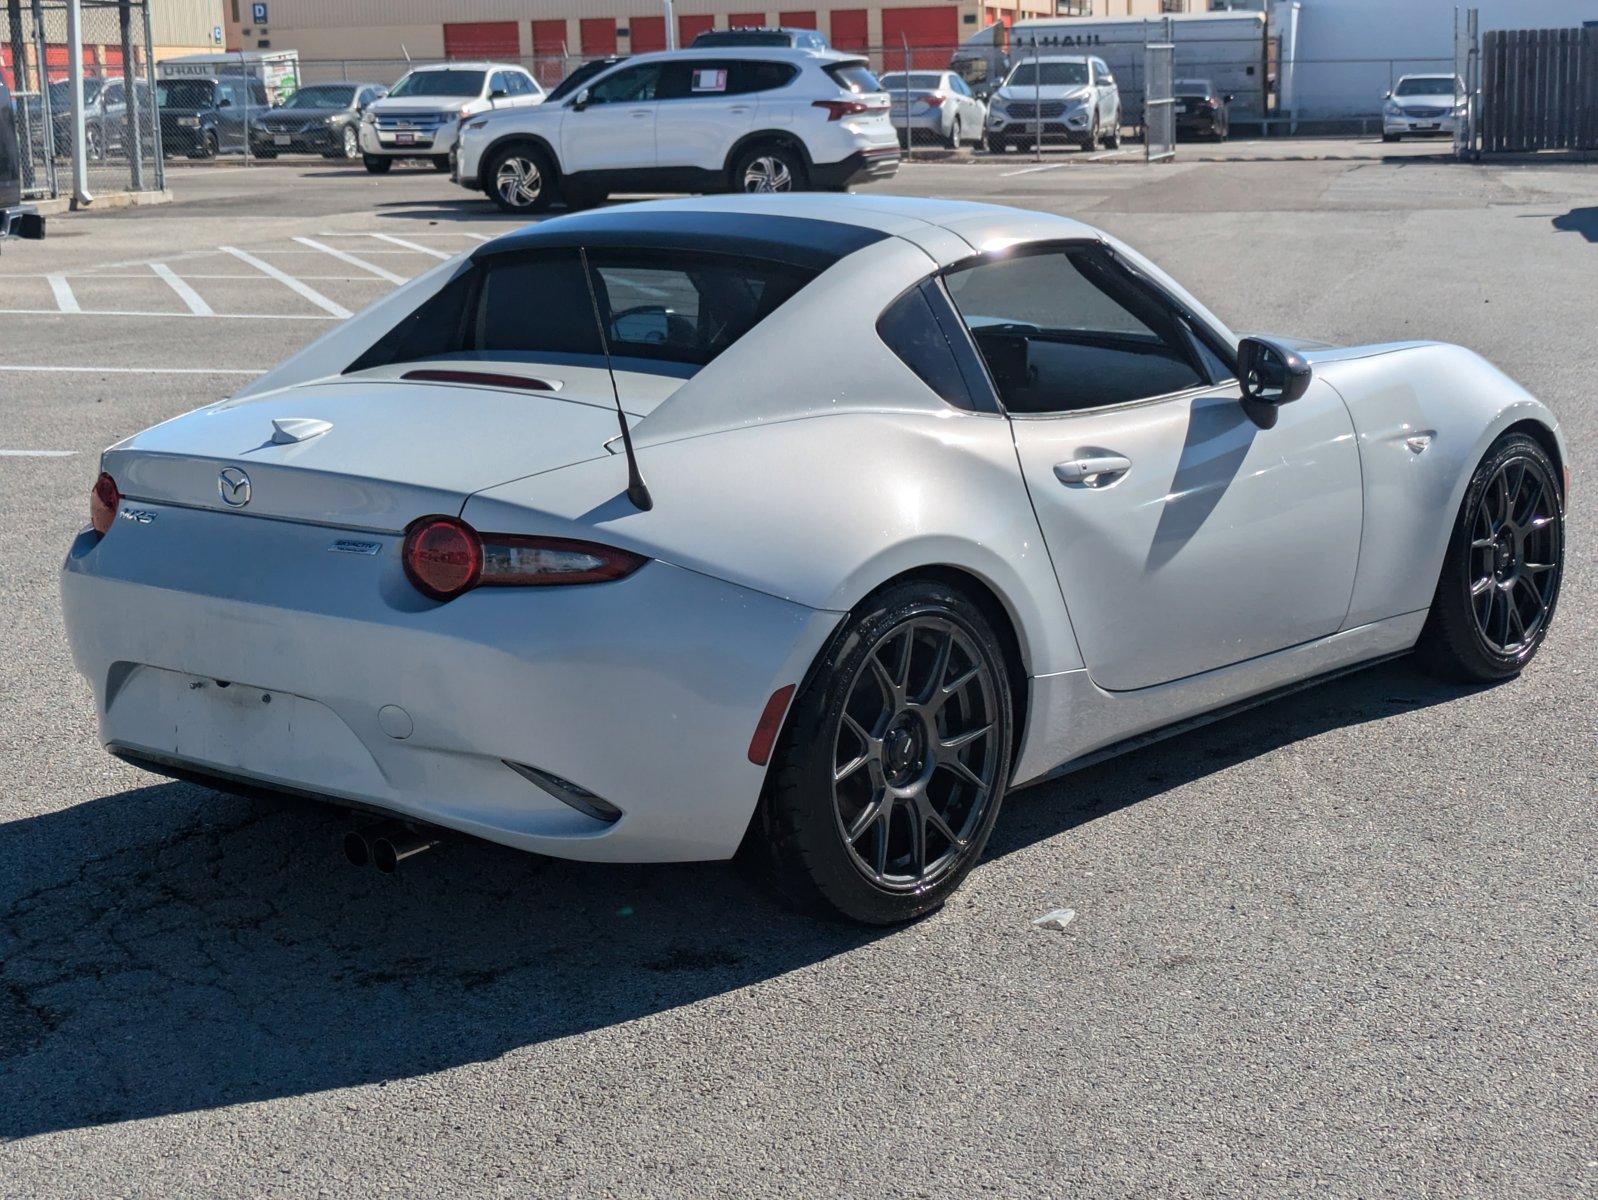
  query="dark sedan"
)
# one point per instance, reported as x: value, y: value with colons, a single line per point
x: 1201, y: 110
x: 323, y: 118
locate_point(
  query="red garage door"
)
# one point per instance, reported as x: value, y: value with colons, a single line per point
x: 599, y: 36
x: 849, y: 29
x: 481, y: 39
x: 935, y: 30
x: 549, y: 38
x: 648, y: 34
x: 797, y: 20
x: 688, y: 28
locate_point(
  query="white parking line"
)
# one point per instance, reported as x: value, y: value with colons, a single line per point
x: 416, y: 246
x: 37, y: 453
x: 288, y: 281
x: 186, y: 316
x: 129, y: 370
x: 65, y: 301
x: 353, y: 261
x: 188, y: 295
x: 1054, y: 166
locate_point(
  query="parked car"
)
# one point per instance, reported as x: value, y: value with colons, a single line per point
x: 105, y: 116
x: 918, y: 501
x: 16, y: 218
x: 753, y: 35
x: 422, y: 116
x: 321, y: 118
x: 580, y: 75
x: 1066, y: 98
x: 1422, y: 104
x: 690, y: 121
x: 935, y: 104
x: 206, y: 117
x: 1201, y: 109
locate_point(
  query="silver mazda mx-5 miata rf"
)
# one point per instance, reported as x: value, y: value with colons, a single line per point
x: 804, y: 524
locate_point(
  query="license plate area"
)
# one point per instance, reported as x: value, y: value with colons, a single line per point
x: 282, y: 139
x: 405, y: 139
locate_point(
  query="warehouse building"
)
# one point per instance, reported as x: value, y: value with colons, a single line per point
x: 176, y: 27
x: 558, y: 29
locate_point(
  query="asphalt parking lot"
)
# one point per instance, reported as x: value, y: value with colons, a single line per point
x: 1343, y: 945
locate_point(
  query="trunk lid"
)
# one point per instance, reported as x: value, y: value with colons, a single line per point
x: 393, y: 450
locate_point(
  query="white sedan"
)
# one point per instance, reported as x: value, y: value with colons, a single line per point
x: 934, y: 104
x: 806, y: 524
x: 1422, y: 104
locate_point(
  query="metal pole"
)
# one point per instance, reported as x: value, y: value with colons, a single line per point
x: 671, y: 26
x: 155, y: 109
x: 80, y: 152
x: 133, y: 133
x: 244, y: 88
x: 1037, y: 102
x: 46, y: 107
x: 909, y: 138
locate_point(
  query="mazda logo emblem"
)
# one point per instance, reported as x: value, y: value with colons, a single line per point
x: 233, y: 485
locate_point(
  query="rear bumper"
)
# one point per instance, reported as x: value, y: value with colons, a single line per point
x: 299, y: 141
x: 21, y: 221
x: 242, y: 649
x: 863, y: 166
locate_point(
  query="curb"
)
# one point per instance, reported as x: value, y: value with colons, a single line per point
x: 105, y: 202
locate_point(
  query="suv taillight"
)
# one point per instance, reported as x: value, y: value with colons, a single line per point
x: 837, y: 110
x: 103, y: 501
x: 444, y: 557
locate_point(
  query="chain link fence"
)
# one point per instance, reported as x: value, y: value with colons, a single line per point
x: 121, y: 131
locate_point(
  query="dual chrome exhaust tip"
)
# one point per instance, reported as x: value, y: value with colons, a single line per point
x: 386, y: 844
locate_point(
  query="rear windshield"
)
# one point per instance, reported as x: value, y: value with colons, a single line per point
x: 744, y: 37
x: 901, y: 82
x: 1053, y: 74
x: 657, y: 309
x: 1191, y: 87
x: 440, y: 83
x: 185, y: 93
x: 854, y: 77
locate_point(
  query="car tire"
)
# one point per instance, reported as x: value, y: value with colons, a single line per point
x: 1091, y: 142
x: 907, y: 715
x: 578, y: 196
x: 377, y: 164
x: 954, y: 135
x: 264, y: 151
x: 1392, y: 137
x: 1500, y: 579
x: 350, y: 144
x: 209, y: 148
x: 1112, y: 139
x: 521, y: 179
x: 440, y: 162
x: 93, y: 144
x: 770, y: 168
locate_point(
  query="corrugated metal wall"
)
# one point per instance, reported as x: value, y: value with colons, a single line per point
x: 185, y: 22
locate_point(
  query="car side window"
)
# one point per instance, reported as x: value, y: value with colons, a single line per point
x: 497, y: 82
x: 1067, y: 329
x: 630, y: 85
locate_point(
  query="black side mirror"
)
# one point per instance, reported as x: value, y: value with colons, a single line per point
x: 1271, y: 375
x: 497, y: 94
x: 581, y: 100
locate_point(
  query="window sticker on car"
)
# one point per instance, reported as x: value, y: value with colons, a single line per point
x: 710, y: 81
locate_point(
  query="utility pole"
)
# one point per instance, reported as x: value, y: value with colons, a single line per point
x: 80, y: 152
x: 671, y: 27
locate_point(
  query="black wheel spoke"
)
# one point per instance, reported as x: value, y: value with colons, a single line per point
x: 1514, y: 553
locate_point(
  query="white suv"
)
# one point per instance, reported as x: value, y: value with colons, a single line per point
x: 744, y: 119
x: 1066, y: 98
x: 422, y: 116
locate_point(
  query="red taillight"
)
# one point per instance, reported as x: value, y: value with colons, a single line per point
x: 444, y: 557
x: 103, y: 501
x: 837, y: 110
x: 932, y: 101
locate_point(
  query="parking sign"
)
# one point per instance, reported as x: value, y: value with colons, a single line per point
x: 258, y: 14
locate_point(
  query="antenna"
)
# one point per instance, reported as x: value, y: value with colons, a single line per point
x: 637, y: 492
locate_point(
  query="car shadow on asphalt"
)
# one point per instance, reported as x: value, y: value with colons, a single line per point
x: 1579, y: 220
x: 169, y: 949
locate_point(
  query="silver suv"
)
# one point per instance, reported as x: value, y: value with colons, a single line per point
x: 1065, y: 98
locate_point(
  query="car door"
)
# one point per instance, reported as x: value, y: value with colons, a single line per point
x: 1185, y: 536
x: 1104, y: 92
x: 610, y: 125
x: 707, y: 104
x: 973, y: 113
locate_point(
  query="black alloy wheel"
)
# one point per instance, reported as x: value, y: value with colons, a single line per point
x: 894, y: 759
x: 1500, y: 579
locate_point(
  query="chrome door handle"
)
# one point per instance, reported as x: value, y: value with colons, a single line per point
x: 640, y: 113
x: 739, y: 108
x: 1097, y: 471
